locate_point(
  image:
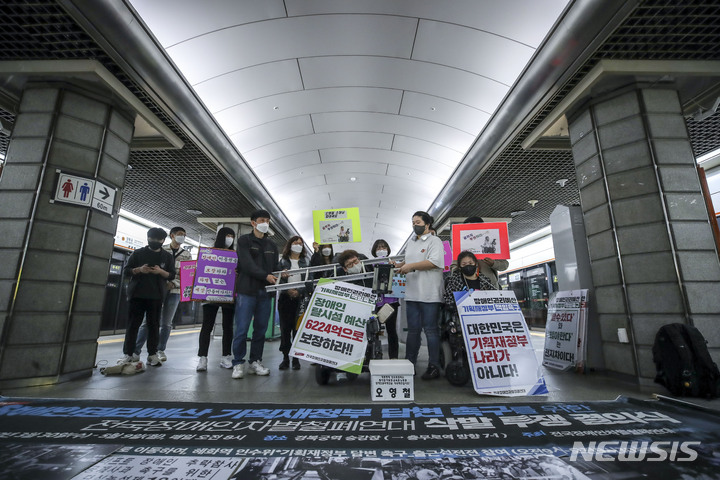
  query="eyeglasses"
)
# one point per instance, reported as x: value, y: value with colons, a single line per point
x: 352, y: 263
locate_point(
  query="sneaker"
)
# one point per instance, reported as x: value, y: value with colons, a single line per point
x: 258, y: 368
x: 226, y: 361
x: 341, y: 377
x: 431, y: 372
x: 125, y: 359
x: 238, y: 371
x: 135, y: 357
x: 285, y: 364
x: 296, y: 364
x: 202, y: 364
x: 161, y: 355
x: 154, y: 360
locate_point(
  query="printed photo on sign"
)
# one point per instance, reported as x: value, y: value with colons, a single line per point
x: 498, y: 345
x: 485, y: 240
x: 332, y: 331
x: 335, y: 231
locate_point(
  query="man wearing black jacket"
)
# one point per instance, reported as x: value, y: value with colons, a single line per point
x: 257, y: 259
x: 150, y: 269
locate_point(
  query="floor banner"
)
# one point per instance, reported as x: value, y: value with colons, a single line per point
x: 563, y: 332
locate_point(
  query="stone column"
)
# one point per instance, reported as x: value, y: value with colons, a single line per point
x: 56, y: 255
x: 650, y: 242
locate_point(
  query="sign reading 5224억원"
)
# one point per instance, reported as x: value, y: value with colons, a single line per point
x: 500, y: 354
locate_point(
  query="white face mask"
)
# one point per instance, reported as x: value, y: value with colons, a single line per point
x: 355, y: 269
x: 179, y: 239
x: 296, y: 248
x: 262, y: 227
x: 326, y: 252
x: 229, y: 241
x: 381, y: 253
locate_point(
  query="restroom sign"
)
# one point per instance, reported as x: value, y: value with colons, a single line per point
x: 83, y: 191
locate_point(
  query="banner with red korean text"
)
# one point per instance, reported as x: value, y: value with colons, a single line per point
x: 565, y: 330
x: 332, y: 331
x: 187, y: 278
x: 497, y: 341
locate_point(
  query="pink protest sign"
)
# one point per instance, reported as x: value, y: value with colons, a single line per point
x: 215, y: 275
x: 448, y: 255
x: 187, y: 276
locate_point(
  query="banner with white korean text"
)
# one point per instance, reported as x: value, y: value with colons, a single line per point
x: 564, y: 338
x: 497, y: 341
x: 215, y: 275
x: 332, y: 331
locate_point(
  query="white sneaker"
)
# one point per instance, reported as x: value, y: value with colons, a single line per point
x: 202, y: 364
x: 226, y: 361
x: 135, y: 357
x: 154, y: 360
x: 238, y: 371
x: 125, y: 359
x: 161, y: 355
x: 341, y: 377
x: 258, y: 368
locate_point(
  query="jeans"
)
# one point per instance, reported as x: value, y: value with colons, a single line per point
x: 209, y: 314
x: 255, y: 308
x: 137, y: 309
x: 166, y: 317
x: 423, y: 316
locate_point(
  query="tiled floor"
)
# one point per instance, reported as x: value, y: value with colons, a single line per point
x: 177, y: 380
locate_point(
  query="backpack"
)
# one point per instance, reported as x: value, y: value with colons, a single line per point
x: 683, y: 362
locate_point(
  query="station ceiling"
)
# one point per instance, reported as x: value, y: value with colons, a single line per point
x: 424, y: 104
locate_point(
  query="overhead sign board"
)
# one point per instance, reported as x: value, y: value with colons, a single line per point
x: 83, y: 191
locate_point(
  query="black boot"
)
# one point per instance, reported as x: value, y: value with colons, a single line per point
x: 296, y: 363
x: 285, y: 363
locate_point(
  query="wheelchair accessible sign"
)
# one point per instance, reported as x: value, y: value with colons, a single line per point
x: 85, y: 192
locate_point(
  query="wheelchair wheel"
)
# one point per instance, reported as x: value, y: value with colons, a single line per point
x: 457, y: 374
x: 322, y: 375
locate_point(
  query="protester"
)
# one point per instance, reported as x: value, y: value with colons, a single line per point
x: 257, y: 259
x: 423, y: 267
x: 225, y: 238
x: 172, y: 298
x: 289, y: 302
x: 151, y: 268
x: 465, y: 277
x: 323, y: 255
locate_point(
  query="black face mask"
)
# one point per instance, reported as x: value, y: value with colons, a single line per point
x: 419, y: 229
x: 469, y: 270
x: 154, y: 245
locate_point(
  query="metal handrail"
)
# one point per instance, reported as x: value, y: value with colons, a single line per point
x: 306, y: 271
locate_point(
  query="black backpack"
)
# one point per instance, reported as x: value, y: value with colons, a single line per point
x: 683, y: 362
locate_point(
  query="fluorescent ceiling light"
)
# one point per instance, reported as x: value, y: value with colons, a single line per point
x: 530, y: 238
x: 708, y: 156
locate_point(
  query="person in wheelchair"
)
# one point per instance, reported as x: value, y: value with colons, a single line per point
x: 466, y: 276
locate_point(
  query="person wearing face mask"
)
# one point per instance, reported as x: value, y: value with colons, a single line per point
x: 349, y: 260
x: 292, y: 258
x: 172, y: 298
x: 257, y: 259
x: 465, y: 276
x: 225, y: 238
x: 381, y: 249
x: 323, y: 256
x: 423, y: 267
x: 150, y: 268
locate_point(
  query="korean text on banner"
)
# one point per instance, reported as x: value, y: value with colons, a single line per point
x: 339, y: 225
x: 215, y: 275
x: 187, y: 277
x: 333, y: 330
x: 399, y: 284
x: 563, y: 330
x: 497, y: 340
